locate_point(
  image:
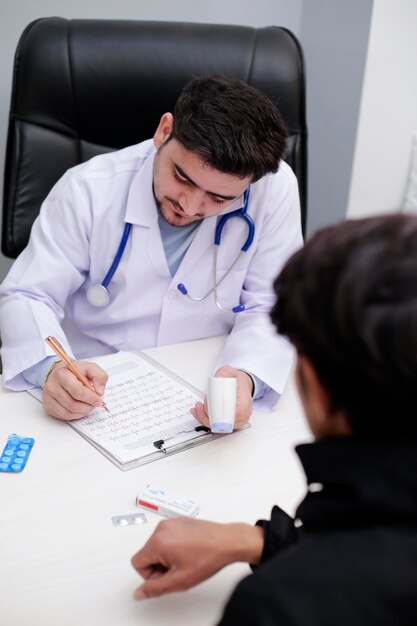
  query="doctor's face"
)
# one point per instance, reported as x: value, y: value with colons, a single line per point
x: 185, y: 188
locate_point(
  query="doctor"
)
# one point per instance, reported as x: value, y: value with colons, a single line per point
x: 99, y: 285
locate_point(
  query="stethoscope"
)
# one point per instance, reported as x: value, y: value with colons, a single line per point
x: 98, y: 294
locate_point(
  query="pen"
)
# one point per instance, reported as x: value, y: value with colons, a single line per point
x: 59, y: 350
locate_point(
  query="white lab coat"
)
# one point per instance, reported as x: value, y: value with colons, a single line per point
x: 74, y: 241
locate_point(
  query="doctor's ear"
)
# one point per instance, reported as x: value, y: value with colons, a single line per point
x: 164, y: 130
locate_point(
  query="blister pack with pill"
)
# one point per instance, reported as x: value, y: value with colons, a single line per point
x: 16, y: 453
x: 128, y: 519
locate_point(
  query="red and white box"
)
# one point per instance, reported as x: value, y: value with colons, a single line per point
x: 165, y: 503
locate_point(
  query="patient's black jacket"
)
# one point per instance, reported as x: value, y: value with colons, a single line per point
x: 353, y: 559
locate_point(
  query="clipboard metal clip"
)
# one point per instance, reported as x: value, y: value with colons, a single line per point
x: 160, y: 443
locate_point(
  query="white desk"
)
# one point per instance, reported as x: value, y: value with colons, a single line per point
x: 63, y: 563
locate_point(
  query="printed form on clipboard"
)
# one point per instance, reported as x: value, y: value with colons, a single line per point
x: 148, y: 404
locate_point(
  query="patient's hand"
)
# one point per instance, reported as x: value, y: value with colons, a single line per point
x: 183, y: 552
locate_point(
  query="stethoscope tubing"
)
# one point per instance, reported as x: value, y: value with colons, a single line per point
x: 98, y: 294
x: 117, y: 258
x: 242, y: 213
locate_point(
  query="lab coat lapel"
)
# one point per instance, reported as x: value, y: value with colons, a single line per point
x: 141, y: 211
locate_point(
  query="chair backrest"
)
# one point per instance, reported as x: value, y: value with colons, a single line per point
x: 84, y: 87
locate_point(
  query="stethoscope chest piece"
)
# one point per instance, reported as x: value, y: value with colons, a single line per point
x: 98, y: 296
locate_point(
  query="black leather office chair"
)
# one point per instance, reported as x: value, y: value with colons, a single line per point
x: 83, y: 87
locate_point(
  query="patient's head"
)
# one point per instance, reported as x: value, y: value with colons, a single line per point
x: 348, y: 303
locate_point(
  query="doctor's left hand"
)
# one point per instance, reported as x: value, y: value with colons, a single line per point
x: 243, y: 401
x: 66, y: 398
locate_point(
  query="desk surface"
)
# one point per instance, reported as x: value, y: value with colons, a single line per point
x: 62, y: 562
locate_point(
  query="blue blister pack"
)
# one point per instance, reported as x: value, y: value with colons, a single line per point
x: 16, y: 453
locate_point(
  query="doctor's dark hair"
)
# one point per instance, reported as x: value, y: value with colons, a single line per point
x: 348, y: 302
x: 233, y: 127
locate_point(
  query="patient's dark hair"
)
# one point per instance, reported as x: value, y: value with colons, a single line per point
x: 233, y: 127
x: 348, y: 301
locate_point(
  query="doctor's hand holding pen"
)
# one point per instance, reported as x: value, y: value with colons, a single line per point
x: 67, y: 398
x: 243, y: 400
x: 72, y: 388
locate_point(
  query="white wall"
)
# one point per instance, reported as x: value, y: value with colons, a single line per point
x: 334, y: 35
x: 388, y: 113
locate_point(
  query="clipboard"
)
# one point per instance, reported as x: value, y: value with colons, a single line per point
x: 149, y: 415
x: 171, y: 449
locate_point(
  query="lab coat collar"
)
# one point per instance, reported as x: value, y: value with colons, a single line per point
x: 141, y: 207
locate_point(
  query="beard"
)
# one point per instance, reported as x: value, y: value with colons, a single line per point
x: 167, y: 209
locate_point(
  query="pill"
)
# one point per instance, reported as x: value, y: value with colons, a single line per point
x: 15, y: 453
